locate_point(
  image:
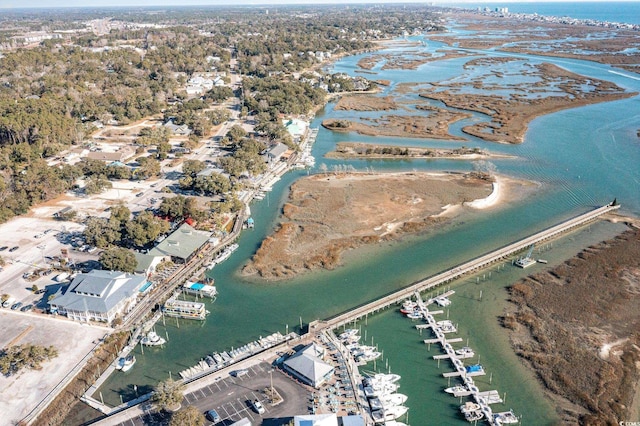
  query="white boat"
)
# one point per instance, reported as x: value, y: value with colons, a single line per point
x: 395, y: 411
x: 473, y: 416
x: 446, y: 326
x: 152, y: 339
x: 456, y: 389
x: 442, y: 301
x: 469, y: 406
x: 414, y: 315
x: 126, y: 363
x: 348, y: 333
x: 369, y: 356
x: 507, y: 417
x: 393, y: 399
x: 389, y: 378
x: 465, y: 351
x: 226, y: 253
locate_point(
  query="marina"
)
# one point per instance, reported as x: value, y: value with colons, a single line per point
x: 472, y: 411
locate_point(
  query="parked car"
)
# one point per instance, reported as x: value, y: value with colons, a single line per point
x: 257, y: 405
x: 3, y: 248
x: 16, y: 306
x: 14, y: 248
x: 213, y: 416
x: 26, y: 308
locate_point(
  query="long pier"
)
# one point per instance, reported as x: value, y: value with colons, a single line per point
x: 462, y: 269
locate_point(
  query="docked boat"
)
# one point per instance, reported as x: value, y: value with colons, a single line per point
x: 465, y: 352
x: 185, y: 309
x: 442, y: 301
x: 469, y: 406
x: 474, y: 370
x: 446, y: 326
x: 226, y: 253
x: 393, y: 399
x: 369, y: 356
x: 348, y: 334
x: 394, y: 412
x: 388, y: 378
x: 125, y: 364
x: 473, y: 416
x: 456, y: 389
x: 414, y: 315
x: 200, y: 289
x: 152, y: 339
x: 507, y: 417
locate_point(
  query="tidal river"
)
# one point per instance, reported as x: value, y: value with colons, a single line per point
x: 580, y: 158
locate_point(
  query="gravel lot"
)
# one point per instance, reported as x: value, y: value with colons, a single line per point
x: 19, y: 394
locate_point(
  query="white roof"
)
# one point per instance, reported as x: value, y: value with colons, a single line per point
x: 309, y: 366
x: 316, y: 420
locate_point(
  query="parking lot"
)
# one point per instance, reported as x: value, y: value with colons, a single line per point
x: 231, y: 397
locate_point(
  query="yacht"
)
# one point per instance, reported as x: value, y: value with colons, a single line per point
x: 369, y: 356
x: 348, y: 334
x: 152, y: 339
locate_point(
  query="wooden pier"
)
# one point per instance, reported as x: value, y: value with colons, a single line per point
x: 462, y: 269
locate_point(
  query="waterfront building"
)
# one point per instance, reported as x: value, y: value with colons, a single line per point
x: 328, y: 420
x: 98, y: 296
x: 182, y: 245
x: 308, y: 367
x: 146, y: 264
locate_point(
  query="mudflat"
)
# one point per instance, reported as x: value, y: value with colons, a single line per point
x: 329, y: 213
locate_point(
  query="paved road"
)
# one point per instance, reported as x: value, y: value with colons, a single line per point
x: 230, y: 398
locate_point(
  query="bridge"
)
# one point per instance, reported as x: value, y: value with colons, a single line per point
x: 462, y: 269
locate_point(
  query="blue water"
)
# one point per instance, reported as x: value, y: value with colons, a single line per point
x: 614, y: 11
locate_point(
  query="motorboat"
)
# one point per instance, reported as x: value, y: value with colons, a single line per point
x: 389, y: 378
x: 152, y: 339
x: 442, y: 301
x: 349, y: 332
x: 466, y: 352
x: 414, y: 315
x: 395, y: 411
x: 506, y: 417
x: 126, y: 363
x: 473, y: 416
x: 475, y: 368
x: 456, y: 389
x: 393, y: 399
x: 369, y: 356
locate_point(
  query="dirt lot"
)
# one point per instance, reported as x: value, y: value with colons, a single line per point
x: 578, y: 327
x: 21, y: 393
x: 327, y: 214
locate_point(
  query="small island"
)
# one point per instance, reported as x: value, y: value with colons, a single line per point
x: 351, y: 150
x: 327, y: 214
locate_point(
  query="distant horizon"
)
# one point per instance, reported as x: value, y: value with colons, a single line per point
x: 48, y: 4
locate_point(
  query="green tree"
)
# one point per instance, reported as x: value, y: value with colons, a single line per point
x: 101, y: 232
x: 145, y: 228
x: 189, y: 416
x: 193, y: 167
x: 168, y: 395
x: 149, y: 167
x: 118, y: 259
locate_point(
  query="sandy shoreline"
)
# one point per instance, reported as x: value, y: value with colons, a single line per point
x: 352, y: 150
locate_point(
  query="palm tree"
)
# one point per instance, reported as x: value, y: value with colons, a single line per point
x: 168, y: 395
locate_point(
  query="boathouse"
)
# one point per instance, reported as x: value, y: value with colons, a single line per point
x: 308, y: 367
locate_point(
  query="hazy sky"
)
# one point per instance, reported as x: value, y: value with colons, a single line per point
x: 84, y: 3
